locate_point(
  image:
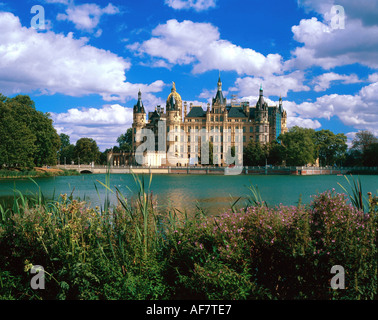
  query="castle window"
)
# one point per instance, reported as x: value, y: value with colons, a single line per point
x: 244, y: 139
x: 251, y: 129
x: 243, y: 129
x: 221, y: 118
x: 216, y: 118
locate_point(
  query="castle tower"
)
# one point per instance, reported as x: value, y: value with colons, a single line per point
x: 139, y: 120
x: 219, y: 102
x: 174, y: 121
x: 261, y: 119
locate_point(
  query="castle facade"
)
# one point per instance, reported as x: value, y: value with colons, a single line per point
x: 173, y: 136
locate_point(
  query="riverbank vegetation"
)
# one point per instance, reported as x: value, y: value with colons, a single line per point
x: 129, y: 251
x: 35, y: 173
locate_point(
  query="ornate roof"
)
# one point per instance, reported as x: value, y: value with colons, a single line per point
x: 139, y: 108
x: 174, y: 98
x: 196, y: 112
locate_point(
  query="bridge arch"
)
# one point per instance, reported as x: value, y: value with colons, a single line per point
x: 86, y: 171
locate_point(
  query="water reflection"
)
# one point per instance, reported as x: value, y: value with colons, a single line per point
x: 215, y: 194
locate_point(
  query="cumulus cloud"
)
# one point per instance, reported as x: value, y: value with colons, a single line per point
x: 54, y: 63
x: 364, y: 10
x: 188, y: 42
x: 272, y: 85
x: 330, y: 47
x: 86, y: 17
x: 197, y: 5
x: 104, y: 125
x: 359, y: 111
x: 323, y: 82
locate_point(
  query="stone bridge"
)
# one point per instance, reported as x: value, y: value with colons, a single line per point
x: 269, y: 170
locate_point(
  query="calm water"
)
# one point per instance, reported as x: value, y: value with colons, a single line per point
x: 213, y: 193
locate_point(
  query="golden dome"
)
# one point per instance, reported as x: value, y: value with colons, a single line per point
x: 175, y: 95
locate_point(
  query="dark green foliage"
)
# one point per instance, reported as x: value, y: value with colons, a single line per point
x: 27, y: 136
x: 299, y: 147
x: 330, y: 147
x: 86, y: 151
x: 125, y: 141
x: 255, y: 154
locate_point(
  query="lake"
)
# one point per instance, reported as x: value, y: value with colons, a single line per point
x: 214, y: 193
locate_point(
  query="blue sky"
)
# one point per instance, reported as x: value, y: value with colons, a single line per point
x: 88, y: 63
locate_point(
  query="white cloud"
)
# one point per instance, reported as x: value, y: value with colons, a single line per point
x: 364, y: 10
x: 323, y: 82
x: 199, y: 44
x: 373, y: 77
x: 104, y: 125
x: 359, y: 111
x: 329, y: 47
x: 272, y: 85
x: 198, y: 5
x: 86, y: 17
x: 54, y: 63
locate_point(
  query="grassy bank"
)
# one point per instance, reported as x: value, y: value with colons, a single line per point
x: 35, y: 173
x: 131, y: 252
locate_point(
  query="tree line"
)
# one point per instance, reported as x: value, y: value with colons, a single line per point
x: 28, y: 139
x: 303, y: 146
x: 86, y: 150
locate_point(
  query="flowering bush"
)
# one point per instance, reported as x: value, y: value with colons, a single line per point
x: 282, y: 252
x: 130, y: 252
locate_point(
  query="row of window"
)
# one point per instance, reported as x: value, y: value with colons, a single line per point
x: 217, y: 119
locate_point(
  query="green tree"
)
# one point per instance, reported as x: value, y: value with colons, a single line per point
x: 255, y: 154
x: 298, y: 146
x: 276, y: 153
x: 330, y: 148
x: 17, y: 141
x: 125, y: 141
x: 370, y: 156
x: 363, y: 139
x: 40, y: 139
x: 353, y: 158
x: 86, y: 151
x: 67, y: 150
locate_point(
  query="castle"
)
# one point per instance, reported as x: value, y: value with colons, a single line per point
x: 177, y: 124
